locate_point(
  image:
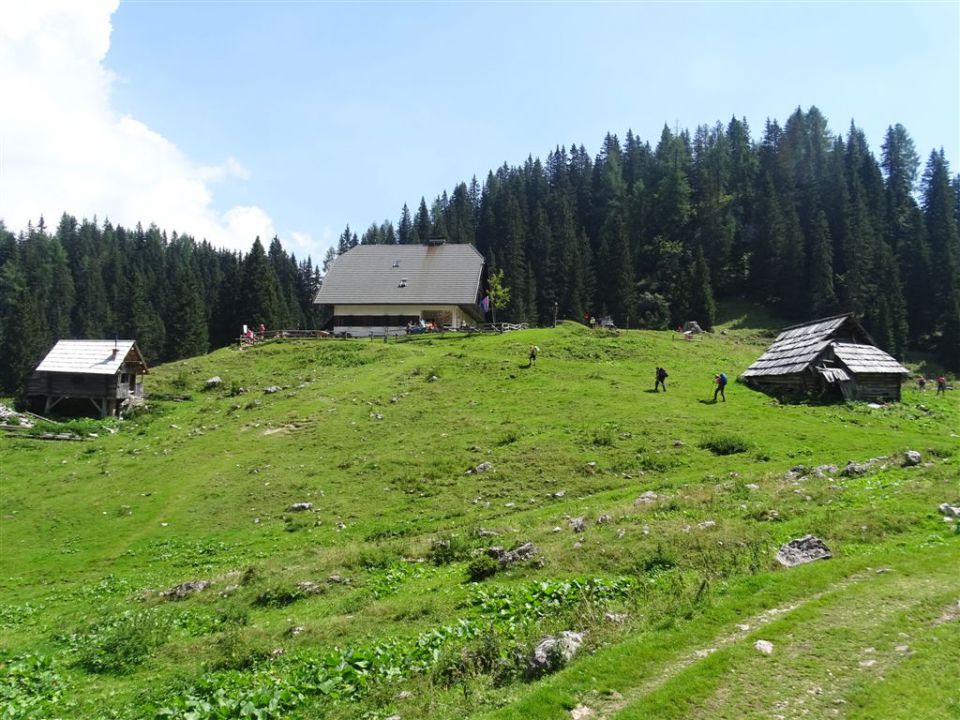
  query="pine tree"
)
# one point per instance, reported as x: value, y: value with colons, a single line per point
x: 259, y: 294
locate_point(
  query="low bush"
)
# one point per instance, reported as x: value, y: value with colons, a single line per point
x: 726, y: 444
x: 117, y: 645
x: 482, y: 568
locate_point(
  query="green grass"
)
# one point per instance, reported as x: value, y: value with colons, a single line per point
x: 363, y: 605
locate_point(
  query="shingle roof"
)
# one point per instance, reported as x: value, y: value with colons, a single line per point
x: 87, y: 357
x: 796, y: 347
x: 867, y: 359
x: 446, y: 274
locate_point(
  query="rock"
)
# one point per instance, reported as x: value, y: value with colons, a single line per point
x: 580, y: 712
x: 213, y: 382
x: 646, y: 498
x: 803, y: 550
x: 309, y: 587
x: 603, y: 519
x: 911, y: 458
x: 752, y: 486
x: 559, y: 494
x: 825, y: 470
x: 615, y: 617
x: 487, y: 533
x: 706, y: 652
x: 854, y: 468
x: 185, y: 589
x: 902, y: 649
x: 707, y: 524
x: 949, y: 510
x: 272, y: 389
x: 764, y: 646
x: 678, y: 443
x: 376, y: 416
x: 770, y: 516
x: 392, y: 717
x: 868, y: 663
x: 404, y: 695
x: 591, y: 468
x: 483, y: 467
x: 509, y: 557
x: 579, y: 524
x: 557, y: 529
x: 300, y: 507
x: 552, y: 653
x: 335, y: 579
x: 295, y: 630
x: 229, y: 590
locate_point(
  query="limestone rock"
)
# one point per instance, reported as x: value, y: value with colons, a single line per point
x: 300, y: 507
x: 185, y: 589
x: 803, y: 550
x: 911, y: 458
x: 552, y: 653
x: 214, y: 382
x: 764, y: 646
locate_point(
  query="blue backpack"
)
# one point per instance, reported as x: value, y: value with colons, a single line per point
x: 723, y: 379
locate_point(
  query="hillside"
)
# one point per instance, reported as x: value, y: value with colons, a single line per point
x: 362, y: 605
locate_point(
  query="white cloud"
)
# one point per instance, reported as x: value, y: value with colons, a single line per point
x: 64, y: 149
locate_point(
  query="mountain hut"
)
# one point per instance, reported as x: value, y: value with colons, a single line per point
x: 78, y: 373
x: 381, y: 289
x: 832, y: 355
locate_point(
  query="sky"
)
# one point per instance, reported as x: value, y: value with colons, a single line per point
x: 230, y: 120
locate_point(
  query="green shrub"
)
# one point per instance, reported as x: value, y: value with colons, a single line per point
x: 449, y: 548
x: 116, y: 646
x: 481, y: 568
x: 726, y: 444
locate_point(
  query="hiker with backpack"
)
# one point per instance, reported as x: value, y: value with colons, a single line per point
x: 721, y: 381
x: 661, y: 380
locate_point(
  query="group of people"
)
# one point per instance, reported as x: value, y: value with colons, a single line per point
x: 941, y: 384
x: 720, y: 380
x: 422, y: 326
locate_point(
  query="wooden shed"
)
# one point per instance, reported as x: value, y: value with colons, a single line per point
x: 832, y: 355
x: 80, y: 373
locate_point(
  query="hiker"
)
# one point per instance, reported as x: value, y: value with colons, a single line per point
x: 534, y: 350
x: 921, y: 383
x: 661, y: 380
x: 721, y: 381
x: 263, y: 331
x: 941, y: 385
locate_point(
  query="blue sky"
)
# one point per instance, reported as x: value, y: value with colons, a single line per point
x: 298, y: 117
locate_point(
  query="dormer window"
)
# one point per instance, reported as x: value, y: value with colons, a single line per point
x: 403, y: 283
x: 396, y: 263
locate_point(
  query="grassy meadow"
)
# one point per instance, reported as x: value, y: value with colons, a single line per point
x: 379, y: 600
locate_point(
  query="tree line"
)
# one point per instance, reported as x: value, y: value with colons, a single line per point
x: 175, y: 296
x: 803, y: 221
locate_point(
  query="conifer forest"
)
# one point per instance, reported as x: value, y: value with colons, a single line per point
x: 800, y: 219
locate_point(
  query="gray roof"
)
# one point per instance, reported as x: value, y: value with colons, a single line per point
x: 796, y: 347
x: 447, y: 274
x: 867, y: 359
x: 89, y: 357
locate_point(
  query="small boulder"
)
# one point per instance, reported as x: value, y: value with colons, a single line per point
x: 509, y: 557
x: 185, y: 589
x: 579, y: 524
x: 214, y: 382
x: 950, y: 510
x: 802, y: 551
x: 646, y: 498
x: 764, y: 646
x: 591, y: 468
x: 483, y: 467
x: 911, y: 458
x: 300, y: 507
x: 552, y: 653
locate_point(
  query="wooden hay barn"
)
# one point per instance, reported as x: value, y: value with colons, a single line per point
x: 831, y: 356
x: 78, y: 374
x: 379, y: 289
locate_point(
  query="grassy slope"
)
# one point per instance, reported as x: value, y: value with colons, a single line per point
x: 199, y: 489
